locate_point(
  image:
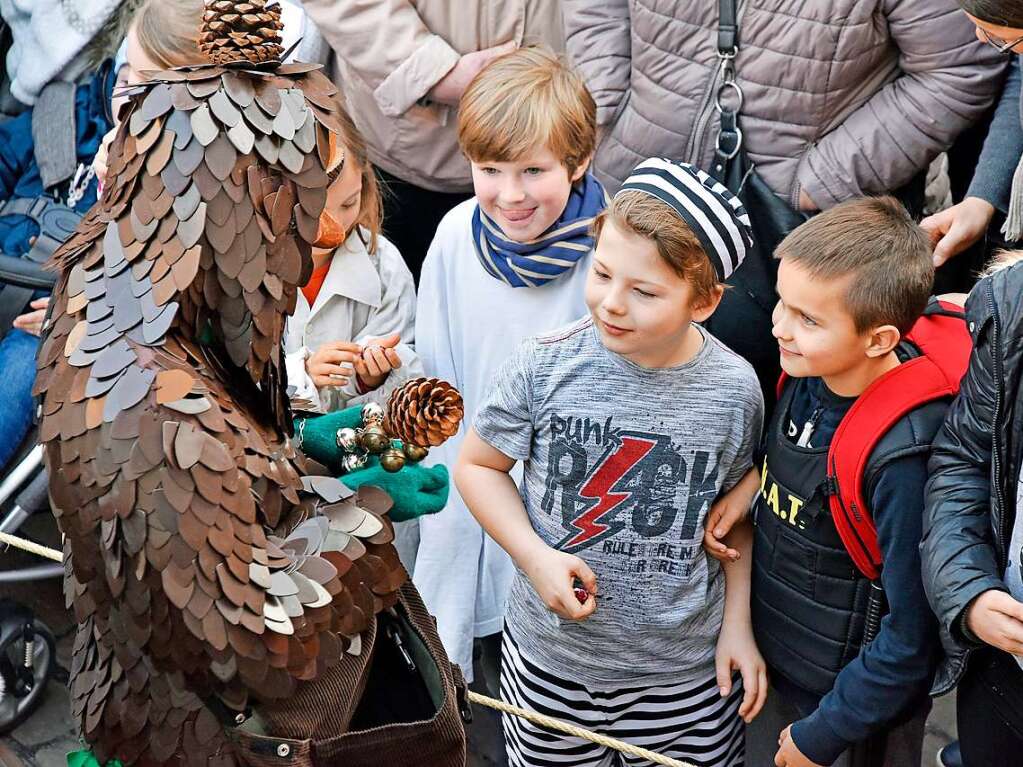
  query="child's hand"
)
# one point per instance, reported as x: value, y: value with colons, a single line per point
x: 325, y: 365
x: 997, y: 619
x: 737, y: 650
x: 378, y: 359
x: 788, y: 754
x: 99, y: 162
x: 553, y: 574
x: 725, y: 512
x: 32, y: 322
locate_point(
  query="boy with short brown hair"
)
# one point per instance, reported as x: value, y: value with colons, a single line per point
x: 628, y: 423
x: 507, y: 264
x: 852, y: 282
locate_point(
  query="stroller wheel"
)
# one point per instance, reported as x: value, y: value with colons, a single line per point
x: 27, y: 657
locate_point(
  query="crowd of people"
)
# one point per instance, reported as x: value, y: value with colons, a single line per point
x: 612, y: 225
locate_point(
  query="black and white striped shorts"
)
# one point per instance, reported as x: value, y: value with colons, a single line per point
x: 688, y: 721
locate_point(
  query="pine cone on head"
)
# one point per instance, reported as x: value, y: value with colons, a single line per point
x: 424, y: 412
x: 248, y: 32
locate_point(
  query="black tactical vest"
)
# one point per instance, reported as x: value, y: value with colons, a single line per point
x: 808, y: 600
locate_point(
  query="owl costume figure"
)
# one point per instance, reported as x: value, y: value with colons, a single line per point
x: 229, y: 599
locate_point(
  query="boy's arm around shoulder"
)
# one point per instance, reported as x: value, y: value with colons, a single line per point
x: 893, y: 673
x: 957, y: 550
x: 737, y: 649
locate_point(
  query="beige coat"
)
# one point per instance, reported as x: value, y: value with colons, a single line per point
x: 389, y: 53
x: 842, y: 98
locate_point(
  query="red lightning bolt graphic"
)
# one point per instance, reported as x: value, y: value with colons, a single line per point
x: 599, y: 485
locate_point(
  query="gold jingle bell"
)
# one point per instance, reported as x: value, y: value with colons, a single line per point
x: 392, y: 460
x: 415, y: 453
x: 374, y: 439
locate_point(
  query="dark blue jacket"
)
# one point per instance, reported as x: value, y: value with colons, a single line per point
x: 19, y: 173
x: 893, y: 674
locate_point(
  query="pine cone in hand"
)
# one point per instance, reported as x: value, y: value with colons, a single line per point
x: 241, y: 32
x: 424, y: 412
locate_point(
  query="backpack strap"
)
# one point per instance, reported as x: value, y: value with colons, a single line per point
x: 942, y: 337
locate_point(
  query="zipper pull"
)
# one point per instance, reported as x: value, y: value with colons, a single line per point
x: 395, y: 636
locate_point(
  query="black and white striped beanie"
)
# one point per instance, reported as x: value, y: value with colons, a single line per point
x: 715, y: 215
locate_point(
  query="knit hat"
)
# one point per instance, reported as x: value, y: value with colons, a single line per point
x: 715, y: 215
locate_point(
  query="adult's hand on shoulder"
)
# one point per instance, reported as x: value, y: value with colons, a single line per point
x: 997, y: 619
x: 955, y: 229
x: 449, y: 89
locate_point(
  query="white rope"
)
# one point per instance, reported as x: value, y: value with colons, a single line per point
x: 571, y: 729
x: 31, y: 547
x: 544, y: 721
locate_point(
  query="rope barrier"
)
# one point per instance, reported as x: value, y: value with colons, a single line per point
x: 571, y: 729
x: 539, y: 719
x: 31, y: 547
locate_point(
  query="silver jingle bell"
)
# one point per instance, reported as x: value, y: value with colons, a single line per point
x: 372, y: 413
x: 347, y: 439
x: 354, y: 461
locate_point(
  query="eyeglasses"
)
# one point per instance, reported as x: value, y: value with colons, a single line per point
x: 997, y: 43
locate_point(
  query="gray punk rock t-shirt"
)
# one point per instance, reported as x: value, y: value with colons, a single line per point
x: 621, y: 465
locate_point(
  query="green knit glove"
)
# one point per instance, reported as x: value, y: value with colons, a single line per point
x: 319, y: 435
x: 88, y: 759
x: 417, y: 490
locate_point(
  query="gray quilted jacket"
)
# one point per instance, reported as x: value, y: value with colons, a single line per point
x: 842, y: 97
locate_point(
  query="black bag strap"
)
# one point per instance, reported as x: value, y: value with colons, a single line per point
x: 728, y: 28
x: 729, y: 141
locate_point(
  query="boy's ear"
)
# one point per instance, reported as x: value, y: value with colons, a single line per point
x: 581, y: 170
x: 882, y: 340
x: 702, y: 309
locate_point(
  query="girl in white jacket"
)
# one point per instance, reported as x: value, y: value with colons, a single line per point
x: 350, y: 340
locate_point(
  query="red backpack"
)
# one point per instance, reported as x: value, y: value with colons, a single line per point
x: 945, y: 345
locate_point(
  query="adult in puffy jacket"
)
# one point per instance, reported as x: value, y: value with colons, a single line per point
x: 999, y: 23
x: 842, y: 99
x: 973, y: 538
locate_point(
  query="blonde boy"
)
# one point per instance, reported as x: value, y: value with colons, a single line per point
x: 505, y: 265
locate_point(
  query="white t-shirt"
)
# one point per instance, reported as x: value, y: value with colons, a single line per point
x: 467, y: 324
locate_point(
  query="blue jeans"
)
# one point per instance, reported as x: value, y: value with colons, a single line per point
x: 17, y: 374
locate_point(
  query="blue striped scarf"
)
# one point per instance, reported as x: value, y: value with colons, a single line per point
x: 553, y: 253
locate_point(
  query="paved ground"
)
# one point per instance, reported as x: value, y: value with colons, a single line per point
x: 46, y: 737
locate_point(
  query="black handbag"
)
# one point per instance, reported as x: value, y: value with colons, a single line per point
x: 743, y: 319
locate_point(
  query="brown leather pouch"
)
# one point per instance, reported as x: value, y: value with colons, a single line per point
x: 400, y: 702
